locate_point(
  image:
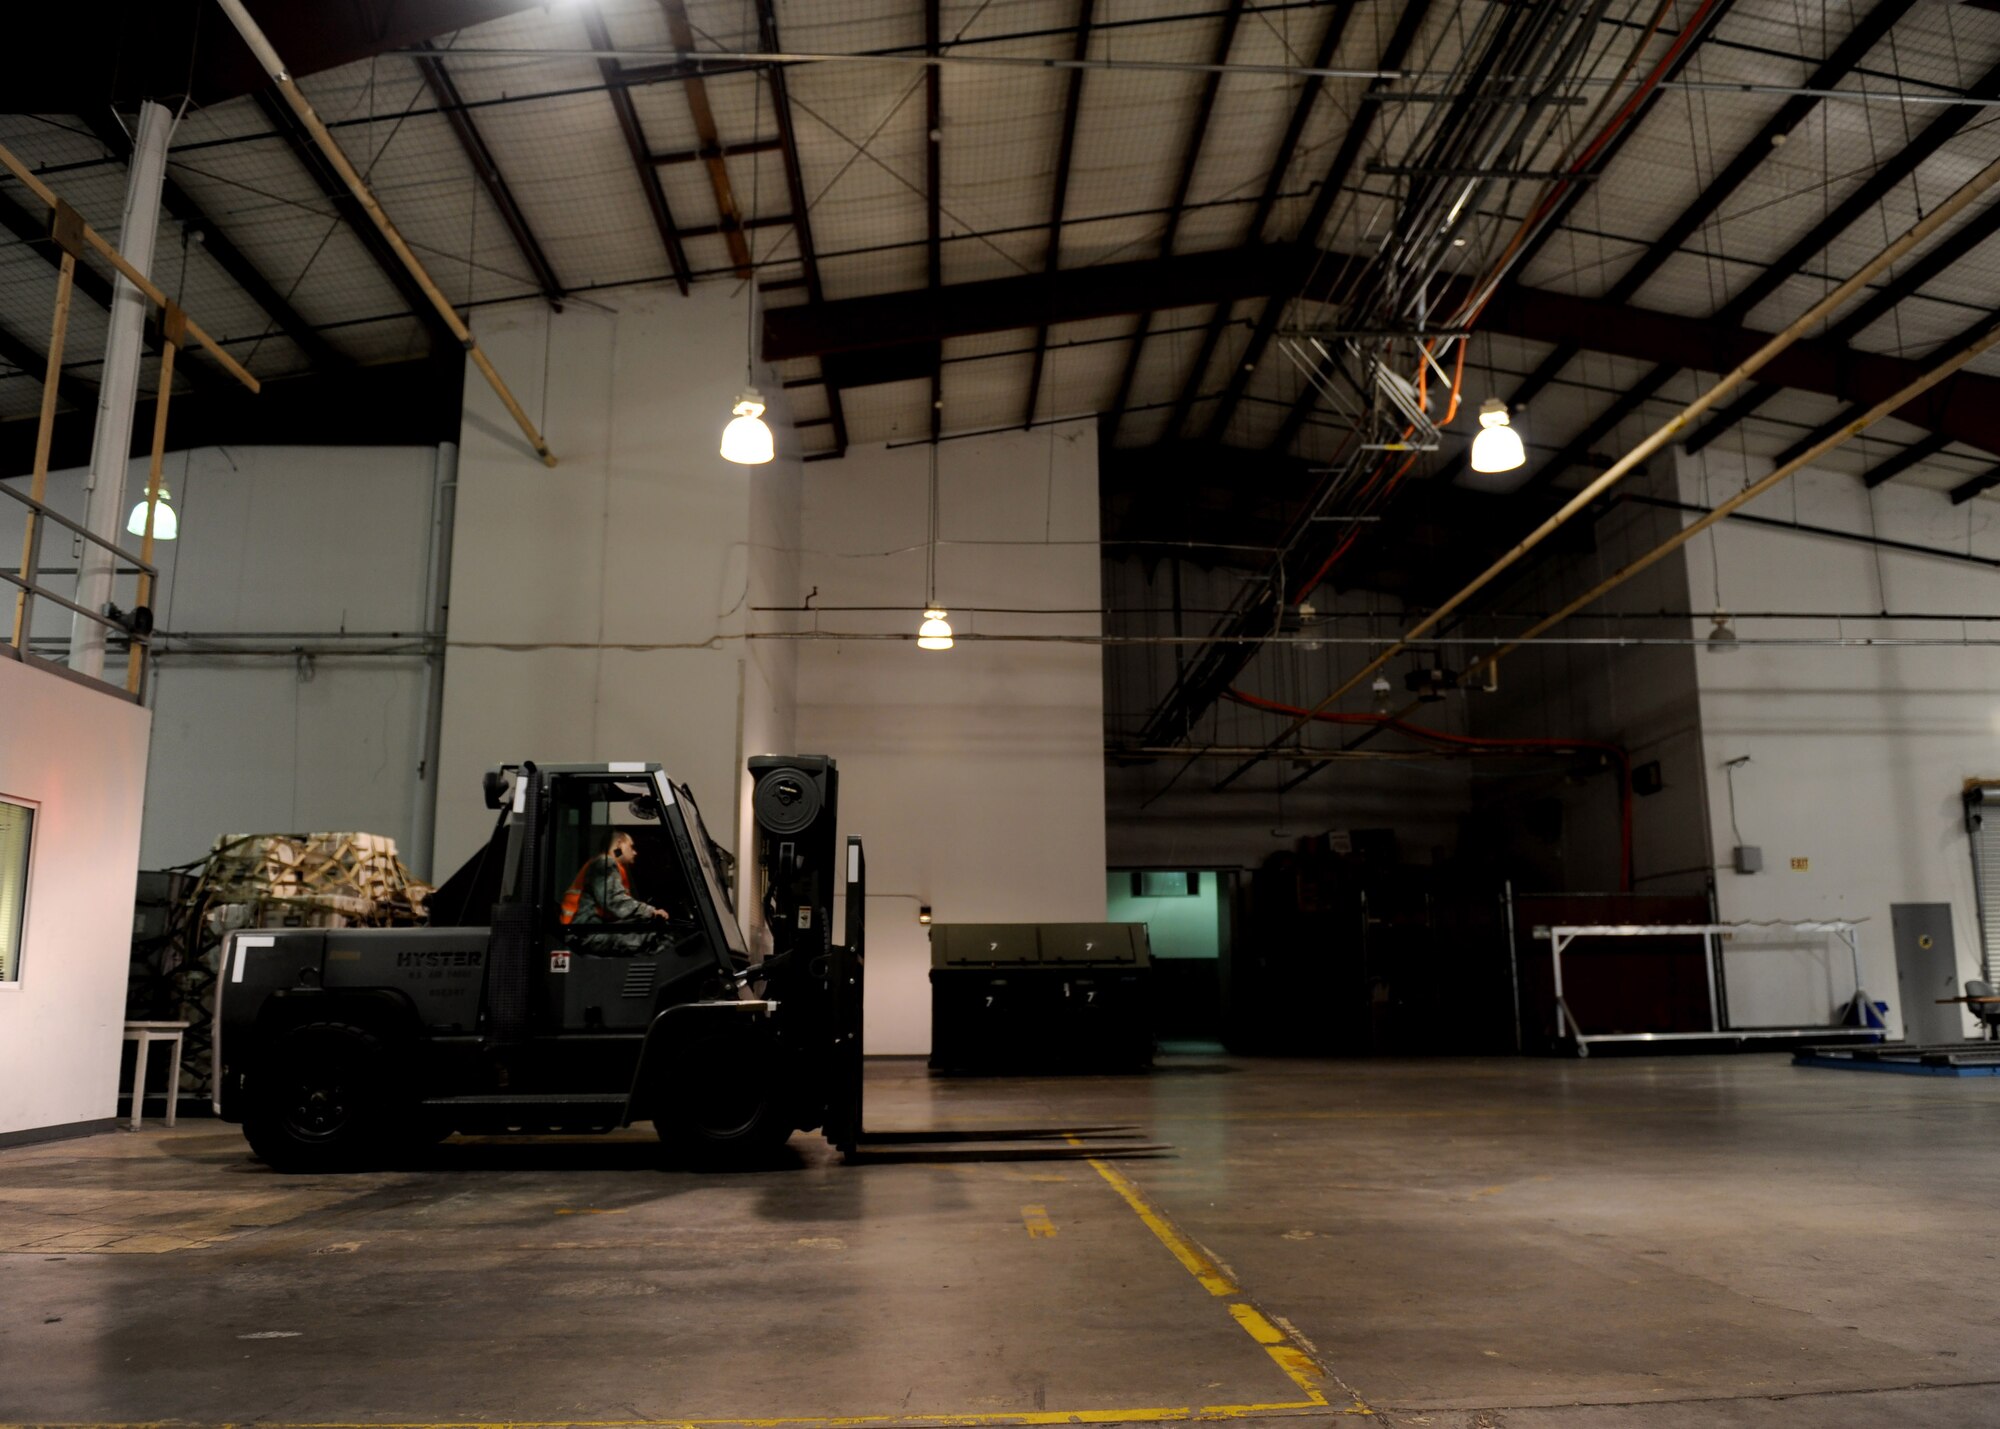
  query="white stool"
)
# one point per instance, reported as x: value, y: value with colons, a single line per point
x: 145, y: 1034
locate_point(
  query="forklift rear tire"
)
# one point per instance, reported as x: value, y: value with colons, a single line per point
x: 719, y: 1106
x: 325, y: 1102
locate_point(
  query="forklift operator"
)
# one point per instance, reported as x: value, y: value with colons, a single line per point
x: 602, y: 893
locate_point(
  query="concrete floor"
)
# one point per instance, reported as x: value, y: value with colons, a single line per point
x: 1685, y: 1241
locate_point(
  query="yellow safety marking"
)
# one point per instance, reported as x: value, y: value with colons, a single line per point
x: 1036, y: 1218
x: 1212, y: 1277
x: 1301, y: 1367
x: 1298, y: 1366
x: 1175, y: 1414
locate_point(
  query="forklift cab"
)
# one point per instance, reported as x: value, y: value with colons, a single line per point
x: 606, y: 962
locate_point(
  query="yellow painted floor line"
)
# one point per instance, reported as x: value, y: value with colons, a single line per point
x: 1198, y: 1263
x: 1172, y: 1414
x: 1298, y: 1363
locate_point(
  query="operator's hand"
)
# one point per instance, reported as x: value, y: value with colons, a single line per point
x: 663, y: 915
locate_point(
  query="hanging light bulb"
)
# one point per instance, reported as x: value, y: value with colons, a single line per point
x: 746, y: 440
x: 935, y: 632
x: 166, y: 525
x: 1382, y: 689
x: 1498, y: 446
x: 1722, y: 639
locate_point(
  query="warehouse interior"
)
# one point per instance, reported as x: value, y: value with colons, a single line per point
x: 973, y: 713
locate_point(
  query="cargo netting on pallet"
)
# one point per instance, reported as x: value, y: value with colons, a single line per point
x: 250, y: 881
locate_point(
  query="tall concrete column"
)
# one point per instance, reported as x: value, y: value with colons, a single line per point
x: 124, y: 346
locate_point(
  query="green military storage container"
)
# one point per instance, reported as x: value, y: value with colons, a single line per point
x: 1041, y: 997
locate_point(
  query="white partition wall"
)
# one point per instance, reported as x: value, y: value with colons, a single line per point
x: 598, y: 607
x: 974, y: 775
x: 1857, y: 756
x: 78, y: 757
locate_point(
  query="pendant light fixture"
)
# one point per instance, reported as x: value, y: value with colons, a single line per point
x: 746, y: 440
x: 166, y: 524
x: 1722, y: 639
x: 935, y: 632
x: 1498, y: 446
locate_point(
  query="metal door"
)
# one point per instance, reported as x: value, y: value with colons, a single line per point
x: 1926, y: 970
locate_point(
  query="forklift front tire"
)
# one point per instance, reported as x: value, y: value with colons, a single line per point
x: 324, y: 1102
x: 719, y: 1105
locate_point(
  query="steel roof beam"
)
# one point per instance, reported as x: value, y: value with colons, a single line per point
x: 627, y: 115
x: 228, y: 257
x: 487, y: 169
x: 1918, y: 451
x: 1852, y: 49
x: 1274, y: 179
x: 1190, y: 158
x: 795, y: 187
x: 934, y: 188
x: 1966, y: 490
x: 354, y: 216
x: 731, y: 214
x: 1065, y: 149
x: 1407, y: 25
x: 1893, y: 172
x: 79, y: 392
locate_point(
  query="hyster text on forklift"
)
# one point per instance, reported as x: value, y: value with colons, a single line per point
x: 584, y: 971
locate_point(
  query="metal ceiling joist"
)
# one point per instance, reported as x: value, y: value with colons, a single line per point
x: 703, y: 114
x: 635, y: 144
x: 795, y: 188
x: 33, y: 229
x: 934, y: 188
x: 1274, y: 181
x: 1065, y: 150
x: 1966, y: 490
x: 491, y: 179
x: 33, y: 362
x: 1190, y: 158
x: 1918, y: 451
x: 1893, y: 171
x: 228, y: 257
x: 1853, y: 48
x: 353, y: 215
x: 1407, y: 25
x: 894, y: 320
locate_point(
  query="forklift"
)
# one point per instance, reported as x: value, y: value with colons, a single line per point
x: 524, y: 1007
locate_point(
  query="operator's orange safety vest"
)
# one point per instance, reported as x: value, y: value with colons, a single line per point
x: 572, y: 902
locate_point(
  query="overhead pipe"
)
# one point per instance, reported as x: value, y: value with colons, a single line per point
x: 1722, y: 509
x: 1917, y: 234
x: 273, y: 65
x: 1477, y: 744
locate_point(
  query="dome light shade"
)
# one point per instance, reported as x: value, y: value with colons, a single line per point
x: 1722, y: 639
x: 166, y: 525
x: 746, y: 440
x: 1498, y: 446
x: 935, y: 632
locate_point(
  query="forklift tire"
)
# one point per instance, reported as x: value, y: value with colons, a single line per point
x: 719, y: 1106
x: 324, y: 1103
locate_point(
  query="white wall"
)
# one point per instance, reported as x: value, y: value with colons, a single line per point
x: 305, y: 541
x: 81, y: 756
x: 975, y: 776
x: 598, y: 607
x: 1857, y: 755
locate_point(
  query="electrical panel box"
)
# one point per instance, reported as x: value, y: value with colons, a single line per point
x: 1749, y: 859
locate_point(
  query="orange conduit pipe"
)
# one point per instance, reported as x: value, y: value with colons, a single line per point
x: 1522, y: 745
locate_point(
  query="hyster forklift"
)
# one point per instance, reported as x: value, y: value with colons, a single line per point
x: 518, y: 1011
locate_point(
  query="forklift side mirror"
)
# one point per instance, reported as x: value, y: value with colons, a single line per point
x: 499, y: 787
x: 645, y: 807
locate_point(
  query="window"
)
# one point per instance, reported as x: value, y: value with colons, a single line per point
x: 590, y: 814
x: 17, y: 827
x: 1147, y: 883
